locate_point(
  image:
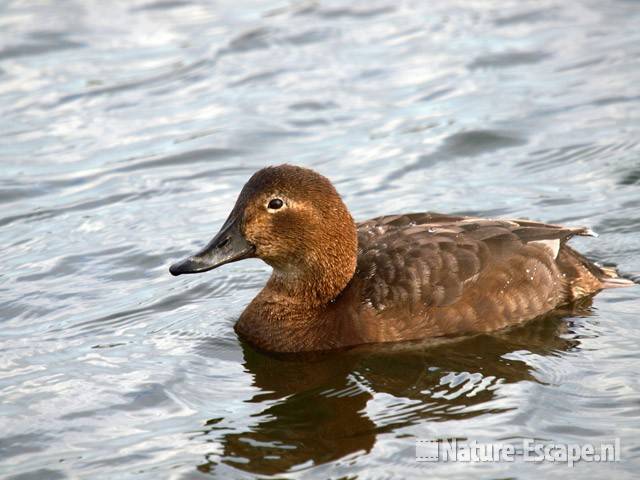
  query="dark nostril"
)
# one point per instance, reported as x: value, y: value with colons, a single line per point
x: 223, y: 243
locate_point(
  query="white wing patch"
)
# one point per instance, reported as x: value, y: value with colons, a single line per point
x: 553, y: 245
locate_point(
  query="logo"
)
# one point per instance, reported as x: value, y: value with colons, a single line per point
x: 527, y: 450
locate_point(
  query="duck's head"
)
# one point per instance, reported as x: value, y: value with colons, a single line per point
x: 294, y: 220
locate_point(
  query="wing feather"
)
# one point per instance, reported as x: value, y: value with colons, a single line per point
x: 428, y: 259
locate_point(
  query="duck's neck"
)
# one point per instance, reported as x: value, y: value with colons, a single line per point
x: 319, y: 274
x: 312, y: 288
x: 292, y: 312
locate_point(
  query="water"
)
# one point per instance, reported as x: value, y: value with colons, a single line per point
x: 127, y: 130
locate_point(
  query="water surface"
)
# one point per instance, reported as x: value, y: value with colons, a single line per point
x: 127, y: 130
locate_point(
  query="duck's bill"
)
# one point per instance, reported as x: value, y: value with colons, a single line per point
x: 229, y: 245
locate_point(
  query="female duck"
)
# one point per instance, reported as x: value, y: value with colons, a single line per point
x: 336, y: 283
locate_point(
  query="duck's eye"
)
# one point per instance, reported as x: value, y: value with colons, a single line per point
x: 275, y: 204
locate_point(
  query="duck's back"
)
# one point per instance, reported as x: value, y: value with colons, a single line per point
x: 427, y: 274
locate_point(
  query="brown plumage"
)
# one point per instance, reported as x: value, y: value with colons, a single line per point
x: 402, y: 277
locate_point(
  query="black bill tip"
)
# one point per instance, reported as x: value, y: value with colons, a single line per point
x: 190, y: 265
x: 176, y: 269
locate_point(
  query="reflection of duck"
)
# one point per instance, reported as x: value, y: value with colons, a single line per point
x: 337, y: 284
x: 317, y: 406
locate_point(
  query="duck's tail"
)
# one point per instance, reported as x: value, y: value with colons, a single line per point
x: 612, y: 279
x: 584, y: 277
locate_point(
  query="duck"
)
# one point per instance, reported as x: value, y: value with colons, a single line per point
x: 337, y: 283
